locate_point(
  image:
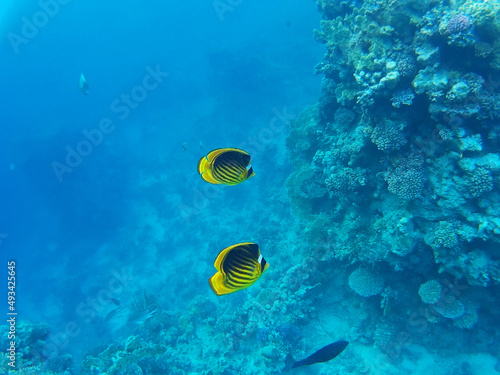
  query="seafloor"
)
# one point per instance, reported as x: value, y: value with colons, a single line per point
x: 392, y: 239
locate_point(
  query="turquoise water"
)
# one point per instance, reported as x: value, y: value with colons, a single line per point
x: 373, y: 131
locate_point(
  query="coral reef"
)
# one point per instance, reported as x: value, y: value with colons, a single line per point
x: 33, y: 355
x: 395, y: 187
x: 404, y: 141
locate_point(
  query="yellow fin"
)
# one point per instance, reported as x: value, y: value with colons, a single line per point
x: 203, y: 165
x: 209, y: 177
x: 217, y: 284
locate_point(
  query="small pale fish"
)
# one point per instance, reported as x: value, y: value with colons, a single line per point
x: 141, y: 316
x: 115, y: 314
x: 84, y: 86
x: 238, y: 267
x: 227, y: 166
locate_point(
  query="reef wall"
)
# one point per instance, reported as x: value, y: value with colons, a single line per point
x: 398, y: 164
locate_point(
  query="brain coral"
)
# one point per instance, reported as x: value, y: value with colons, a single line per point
x: 365, y: 283
x: 430, y: 292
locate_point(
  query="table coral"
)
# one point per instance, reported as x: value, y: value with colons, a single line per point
x: 449, y: 307
x: 469, y: 318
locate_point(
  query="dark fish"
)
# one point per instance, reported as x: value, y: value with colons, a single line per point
x: 324, y: 354
x: 228, y: 166
x: 238, y: 267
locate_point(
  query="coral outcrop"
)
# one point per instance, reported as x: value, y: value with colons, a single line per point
x: 403, y: 140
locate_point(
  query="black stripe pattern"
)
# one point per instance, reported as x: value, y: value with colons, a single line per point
x: 229, y: 167
x: 241, y: 266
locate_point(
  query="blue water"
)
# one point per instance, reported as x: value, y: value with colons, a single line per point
x: 226, y: 74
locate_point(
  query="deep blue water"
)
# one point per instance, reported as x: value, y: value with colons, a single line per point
x: 226, y: 75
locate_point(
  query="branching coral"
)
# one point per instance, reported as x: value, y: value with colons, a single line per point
x: 388, y: 136
x: 443, y: 235
x: 480, y: 182
x: 406, y: 183
x: 342, y: 183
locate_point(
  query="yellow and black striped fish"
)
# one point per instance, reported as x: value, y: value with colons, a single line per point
x: 229, y: 166
x: 238, y: 267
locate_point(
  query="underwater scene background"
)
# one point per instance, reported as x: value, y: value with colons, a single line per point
x: 374, y: 133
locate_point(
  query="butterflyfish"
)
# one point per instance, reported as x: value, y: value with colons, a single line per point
x: 324, y: 354
x: 228, y: 166
x: 238, y: 267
